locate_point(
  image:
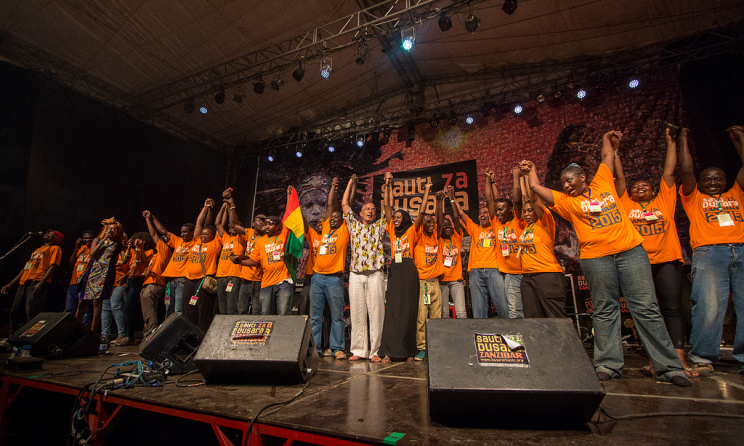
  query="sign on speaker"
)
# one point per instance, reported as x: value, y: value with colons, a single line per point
x: 251, y: 333
x: 495, y: 349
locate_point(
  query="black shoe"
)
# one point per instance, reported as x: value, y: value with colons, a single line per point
x: 680, y: 381
x: 603, y: 376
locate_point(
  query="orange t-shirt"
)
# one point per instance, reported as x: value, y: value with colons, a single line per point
x: 604, y: 233
x: 122, y: 269
x: 329, y: 248
x: 482, y: 246
x: 508, y: 236
x: 252, y: 273
x: 41, y: 259
x: 537, y: 246
x: 274, y: 269
x: 206, y: 252
x: 405, y: 244
x: 177, y: 265
x: 141, y: 266
x: 231, y: 245
x: 702, y: 210
x: 81, y: 262
x: 426, y: 255
x: 450, y: 248
x: 157, y: 264
x: 660, y: 239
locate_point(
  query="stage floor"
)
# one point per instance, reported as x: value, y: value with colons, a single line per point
x: 365, y: 402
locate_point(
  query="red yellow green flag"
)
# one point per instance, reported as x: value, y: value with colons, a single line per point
x: 296, y: 237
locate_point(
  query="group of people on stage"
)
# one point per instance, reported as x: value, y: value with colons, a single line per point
x: 627, y: 235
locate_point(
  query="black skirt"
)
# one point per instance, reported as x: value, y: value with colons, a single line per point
x: 401, y: 310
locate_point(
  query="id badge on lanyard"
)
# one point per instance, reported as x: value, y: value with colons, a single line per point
x: 322, y: 250
x: 505, y: 250
x: 595, y: 207
x: 276, y: 256
x: 650, y: 216
x: 448, y: 261
x: 724, y: 219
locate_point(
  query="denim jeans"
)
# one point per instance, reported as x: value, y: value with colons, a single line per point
x: 716, y: 271
x: 277, y: 299
x: 486, y: 282
x: 72, y: 299
x: 114, y: 306
x: 249, y: 298
x: 228, y: 300
x: 327, y: 288
x: 630, y: 271
x: 513, y: 286
x: 176, y: 298
x: 456, y: 291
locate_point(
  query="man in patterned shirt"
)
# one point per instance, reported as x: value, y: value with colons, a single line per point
x: 366, y: 278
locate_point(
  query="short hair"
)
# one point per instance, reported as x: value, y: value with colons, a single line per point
x: 504, y: 200
x: 189, y: 226
x: 274, y: 218
x: 211, y: 228
x: 89, y: 231
x: 573, y: 168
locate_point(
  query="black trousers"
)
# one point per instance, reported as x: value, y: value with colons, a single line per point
x: 544, y: 295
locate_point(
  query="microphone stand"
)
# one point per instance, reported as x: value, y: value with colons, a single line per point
x: 26, y: 237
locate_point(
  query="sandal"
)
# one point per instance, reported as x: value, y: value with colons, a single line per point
x: 386, y: 360
x: 692, y: 373
x: 647, y: 370
x: 376, y: 358
x: 703, y: 369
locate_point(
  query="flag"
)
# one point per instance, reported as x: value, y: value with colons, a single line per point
x: 296, y: 236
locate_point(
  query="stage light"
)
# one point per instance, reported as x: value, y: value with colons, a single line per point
x: 407, y: 38
x: 360, y: 142
x: 203, y: 110
x: 189, y: 107
x: 326, y: 66
x: 509, y: 6
x: 518, y: 109
x: 277, y: 82
x: 472, y: 22
x: 270, y: 158
x: 581, y: 94
x: 331, y: 148
x: 633, y: 83
x: 453, y: 118
x: 445, y: 23
x: 220, y: 97
x: 469, y: 120
x: 298, y: 153
x: 505, y: 107
x: 434, y: 123
x: 238, y: 95
x: 387, y: 132
x: 299, y: 72
x: 540, y: 98
x: 558, y: 94
x: 259, y: 85
x: 361, y: 54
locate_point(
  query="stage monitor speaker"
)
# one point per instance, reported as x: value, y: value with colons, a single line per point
x: 258, y: 349
x: 56, y: 336
x: 173, y: 345
x: 509, y: 372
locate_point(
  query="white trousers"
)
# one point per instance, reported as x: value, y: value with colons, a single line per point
x: 366, y: 298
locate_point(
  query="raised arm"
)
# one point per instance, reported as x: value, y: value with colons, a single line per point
x: 610, y: 144
x: 457, y: 213
x: 233, y: 216
x: 204, y: 216
x: 221, y: 221
x: 684, y: 160
x: 159, y: 226
x: 670, y: 160
x: 545, y: 194
x: 387, y: 197
x: 332, y: 204
x: 422, y: 207
x: 349, y: 194
x: 737, y: 137
x: 516, y: 192
x: 439, y: 211
x: 73, y: 257
x: 151, y: 226
x: 490, y: 192
x: 620, y: 185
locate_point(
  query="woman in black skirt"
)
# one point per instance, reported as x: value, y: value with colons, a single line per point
x: 401, y: 297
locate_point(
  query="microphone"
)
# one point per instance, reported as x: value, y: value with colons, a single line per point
x: 35, y: 233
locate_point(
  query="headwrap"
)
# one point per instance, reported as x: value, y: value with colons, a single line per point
x: 405, y: 223
x: 58, y: 236
x: 112, y: 221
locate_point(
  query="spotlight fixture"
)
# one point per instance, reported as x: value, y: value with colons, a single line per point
x: 505, y: 107
x: 453, y: 118
x: 361, y: 54
x: 298, y: 153
x: 518, y: 109
x: 471, y: 22
x: 203, y: 109
x: 270, y: 158
x: 277, y: 82
x: 633, y: 83
x: 434, y: 123
x: 219, y: 98
x: 509, y: 6
x: 445, y: 23
x: 558, y: 94
x: 326, y: 66
x: 331, y: 148
x: 259, y: 85
x: 469, y: 120
x: 189, y: 107
x: 540, y: 98
x: 407, y: 38
x: 299, y: 72
x: 360, y: 141
x: 238, y: 95
x: 581, y: 94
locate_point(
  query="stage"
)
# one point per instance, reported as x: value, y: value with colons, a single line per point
x: 350, y: 403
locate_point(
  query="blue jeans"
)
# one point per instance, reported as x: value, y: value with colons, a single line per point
x: 277, y: 299
x: 228, y: 300
x: 327, y: 288
x: 72, y: 299
x: 249, y: 298
x: 456, y: 291
x: 114, y: 306
x: 716, y: 271
x: 176, y: 298
x: 630, y: 271
x: 486, y: 282
x: 513, y: 286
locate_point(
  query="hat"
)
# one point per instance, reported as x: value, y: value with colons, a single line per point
x: 58, y: 236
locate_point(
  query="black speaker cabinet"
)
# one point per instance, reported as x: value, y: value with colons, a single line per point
x: 511, y: 372
x: 258, y: 349
x: 173, y: 345
x: 56, y: 335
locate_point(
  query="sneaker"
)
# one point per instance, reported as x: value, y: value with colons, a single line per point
x: 420, y: 356
x: 704, y: 369
x: 121, y: 342
x: 603, y: 376
x: 680, y: 381
x: 327, y: 352
x: 339, y: 355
